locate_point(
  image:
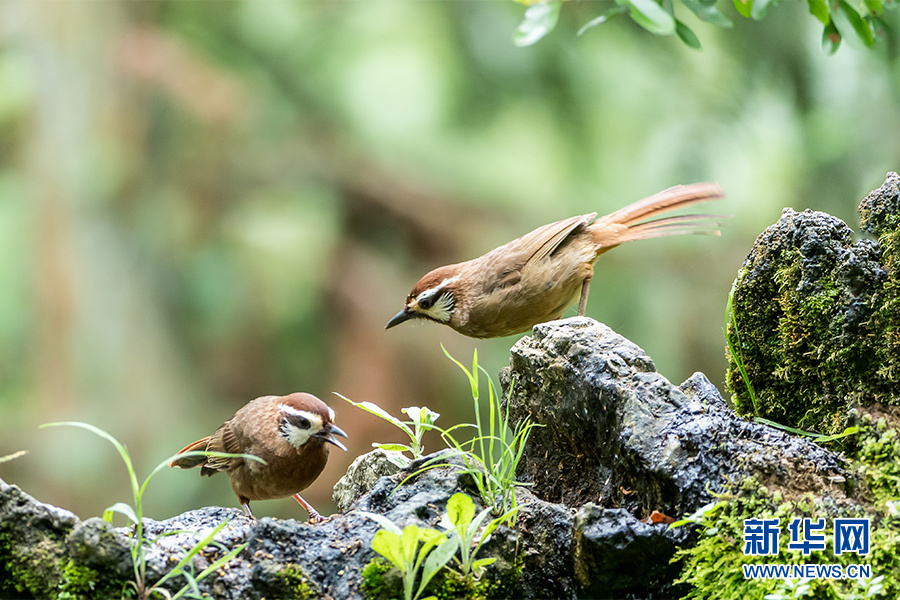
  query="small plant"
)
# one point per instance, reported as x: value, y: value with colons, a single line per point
x: 735, y: 347
x: 401, y: 548
x: 421, y: 420
x: 135, y: 515
x: 492, y: 456
x: 471, y: 536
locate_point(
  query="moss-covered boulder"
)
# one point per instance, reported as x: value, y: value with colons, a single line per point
x: 815, y: 317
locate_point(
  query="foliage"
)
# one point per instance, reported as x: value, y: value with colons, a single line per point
x: 421, y: 420
x: 493, y: 455
x: 490, y: 458
x: 134, y: 514
x: 860, y: 23
x: 401, y: 548
x: 471, y: 536
x: 465, y: 531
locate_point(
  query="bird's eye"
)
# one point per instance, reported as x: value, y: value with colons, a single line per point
x: 303, y: 422
x: 426, y: 302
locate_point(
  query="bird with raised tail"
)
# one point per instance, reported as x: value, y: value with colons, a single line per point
x: 534, y: 278
x: 290, y: 433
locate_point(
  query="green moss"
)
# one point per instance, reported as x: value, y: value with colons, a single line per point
x: 31, y: 569
x: 294, y: 583
x: 380, y: 581
x: 713, y: 567
x: 80, y: 582
x: 879, y: 455
x: 814, y: 324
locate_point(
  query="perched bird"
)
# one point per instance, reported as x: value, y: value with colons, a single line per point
x: 534, y: 278
x: 290, y: 433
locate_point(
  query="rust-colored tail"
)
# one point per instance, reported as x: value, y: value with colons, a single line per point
x: 636, y: 221
x: 189, y: 462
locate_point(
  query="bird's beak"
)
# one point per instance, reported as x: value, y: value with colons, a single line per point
x: 326, y: 434
x: 400, y: 317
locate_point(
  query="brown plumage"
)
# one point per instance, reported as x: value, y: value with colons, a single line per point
x: 534, y: 278
x: 290, y: 433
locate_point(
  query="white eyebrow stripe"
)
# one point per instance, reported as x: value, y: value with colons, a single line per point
x: 299, y: 413
x: 434, y: 290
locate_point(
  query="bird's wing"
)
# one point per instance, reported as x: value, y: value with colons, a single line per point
x: 223, y: 440
x: 543, y: 241
x: 533, y: 247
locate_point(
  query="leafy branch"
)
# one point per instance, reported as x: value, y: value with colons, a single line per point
x: 860, y: 22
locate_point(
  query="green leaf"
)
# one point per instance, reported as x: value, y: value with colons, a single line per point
x: 195, y: 549
x: 687, y: 36
x: 708, y: 13
x: 409, y: 541
x: 760, y: 7
x: 122, y: 450
x: 851, y: 25
x: 483, y: 562
x: 387, y: 544
x: 831, y: 39
x: 122, y: 509
x: 215, y: 566
x: 610, y: 14
x: 476, y: 523
x: 392, y: 447
x: 372, y: 408
x: 876, y: 7
x: 539, y: 20
x: 460, y: 509
x: 819, y: 9
x: 430, y: 536
x: 651, y: 16
x: 744, y: 7
x: 422, y: 415
x: 437, y: 559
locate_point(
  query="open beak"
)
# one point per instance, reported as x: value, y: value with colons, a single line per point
x: 400, y: 317
x: 326, y: 434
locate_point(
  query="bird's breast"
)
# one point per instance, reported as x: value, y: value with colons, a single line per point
x: 282, y: 475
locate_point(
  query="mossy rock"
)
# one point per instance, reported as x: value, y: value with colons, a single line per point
x: 713, y: 567
x: 815, y: 317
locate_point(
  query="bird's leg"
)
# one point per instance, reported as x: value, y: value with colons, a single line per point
x: 245, y: 504
x: 314, y: 516
x: 582, y: 303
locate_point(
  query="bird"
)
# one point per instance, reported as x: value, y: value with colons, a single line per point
x: 534, y: 278
x: 290, y: 433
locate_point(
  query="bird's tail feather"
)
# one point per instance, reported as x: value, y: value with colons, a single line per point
x: 189, y: 462
x: 636, y: 221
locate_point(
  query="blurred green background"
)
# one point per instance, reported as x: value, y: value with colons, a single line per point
x: 201, y: 203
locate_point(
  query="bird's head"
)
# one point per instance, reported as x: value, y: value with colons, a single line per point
x: 303, y: 416
x: 434, y: 297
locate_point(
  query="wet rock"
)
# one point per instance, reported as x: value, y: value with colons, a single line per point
x: 46, y: 551
x: 815, y: 320
x: 618, y: 434
x: 616, y: 555
x: 362, y: 474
